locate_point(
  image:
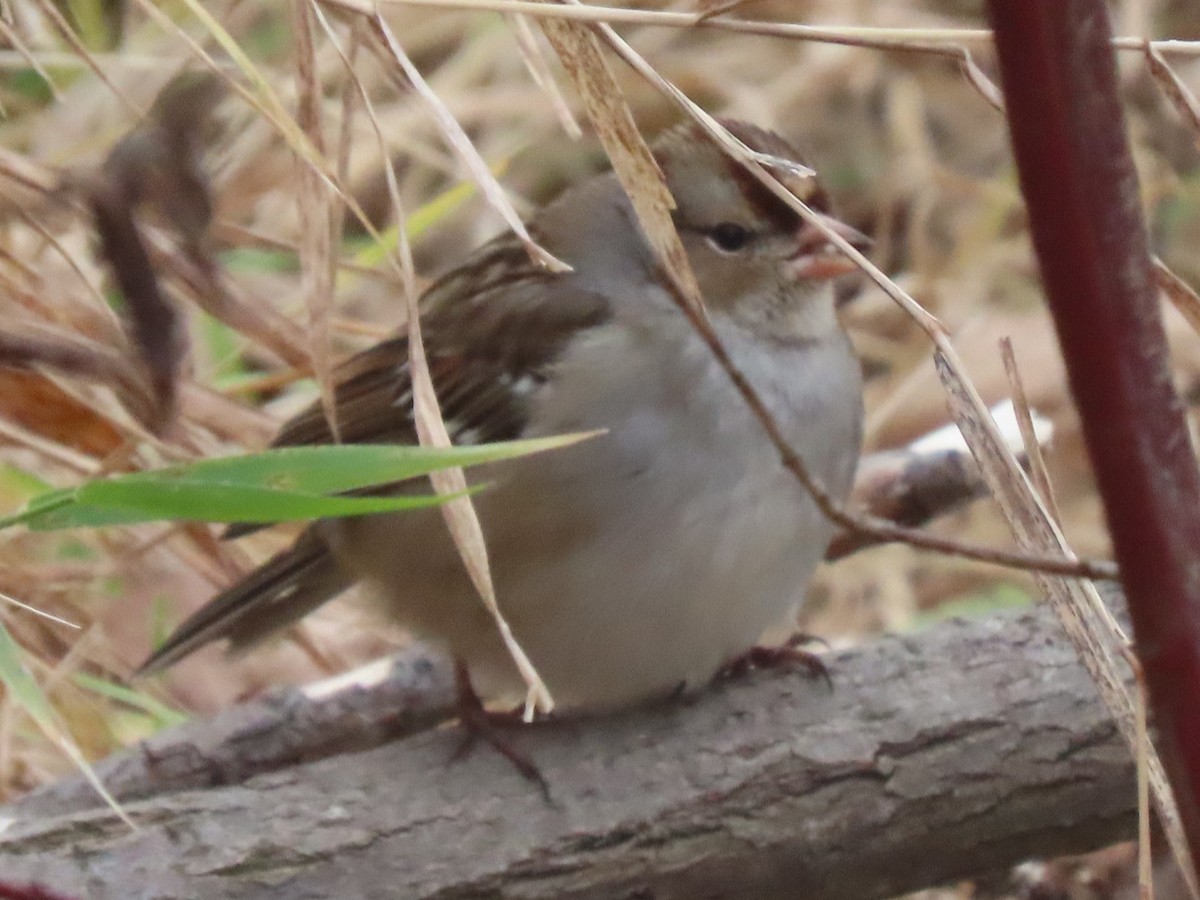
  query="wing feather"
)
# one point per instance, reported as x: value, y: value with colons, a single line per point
x: 493, y: 330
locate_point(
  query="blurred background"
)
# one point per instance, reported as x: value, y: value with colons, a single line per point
x: 906, y: 145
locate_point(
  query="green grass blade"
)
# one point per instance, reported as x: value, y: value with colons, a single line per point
x: 335, y: 469
x: 421, y: 220
x: 112, y: 503
x: 162, y: 715
x: 42, y: 505
x: 22, y: 687
x: 279, y: 485
x: 205, y: 502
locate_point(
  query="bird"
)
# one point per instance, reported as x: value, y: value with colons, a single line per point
x: 645, y: 560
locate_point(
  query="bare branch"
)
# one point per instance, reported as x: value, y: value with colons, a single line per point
x: 936, y: 757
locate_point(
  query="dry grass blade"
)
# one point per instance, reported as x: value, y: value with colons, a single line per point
x: 858, y: 36
x: 84, y: 360
x: 458, y: 140
x: 579, y: 51
x: 871, y: 37
x: 1089, y: 624
x: 540, y: 72
x: 316, y: 214
x: 345, y: 141
x: 24, y: 689
x: 21, y: 173
x: 710, y: 8
x: 1033, y: 447
x: 1172, y: 85
x: 1145, y: 854
x: 1179, y: 292
x: 262, y: 98
x: 459, y: 514
x: 14, y: 40
x: 987, y: 88
x: 350, y: 93
x: 55, y: 453
x: 38, y: 612
x: 204, y: 285
x: 81, y: 52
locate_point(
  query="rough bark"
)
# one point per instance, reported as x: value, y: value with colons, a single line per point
x: 413, y: 691
x: 359, y: 710
x: 951, y: 753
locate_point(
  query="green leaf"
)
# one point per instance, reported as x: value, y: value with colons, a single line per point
x: 43, y: 504
x: 328, y: 469
x: 274, y: 486
x: 120, y: 503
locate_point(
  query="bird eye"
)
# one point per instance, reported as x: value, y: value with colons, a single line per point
x: 729, y: 236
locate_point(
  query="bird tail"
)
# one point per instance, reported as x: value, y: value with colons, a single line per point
x: 282, y: 590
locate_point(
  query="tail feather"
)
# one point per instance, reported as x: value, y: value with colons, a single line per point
x: 282, y: 590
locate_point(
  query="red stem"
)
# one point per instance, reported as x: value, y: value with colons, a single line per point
x: 1077, y: 175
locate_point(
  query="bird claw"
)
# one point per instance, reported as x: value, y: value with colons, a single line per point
x: 480, y: 723
x: 790, y: 654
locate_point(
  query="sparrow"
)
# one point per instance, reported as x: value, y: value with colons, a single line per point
x: 644, y: 560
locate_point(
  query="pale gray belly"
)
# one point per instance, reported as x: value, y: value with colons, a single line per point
x: 635, y: 562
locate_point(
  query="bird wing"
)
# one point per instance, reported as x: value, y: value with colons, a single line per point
x: 492, y: 329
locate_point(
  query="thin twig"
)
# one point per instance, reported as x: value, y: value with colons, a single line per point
x: 873, y: 528
x: 875, y: 38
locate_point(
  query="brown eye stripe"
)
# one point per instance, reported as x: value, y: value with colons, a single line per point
x: 765, y: 204
x: 757, y: 195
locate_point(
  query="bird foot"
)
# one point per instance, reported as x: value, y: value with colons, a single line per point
x: 790, y: 654
x: 478, y: 723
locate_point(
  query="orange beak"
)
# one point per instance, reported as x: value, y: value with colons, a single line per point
x: 817, y: 258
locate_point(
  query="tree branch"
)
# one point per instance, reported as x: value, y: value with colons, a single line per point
x: 359, y: 710
x: 414, y: 690
x: 952, y: 753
